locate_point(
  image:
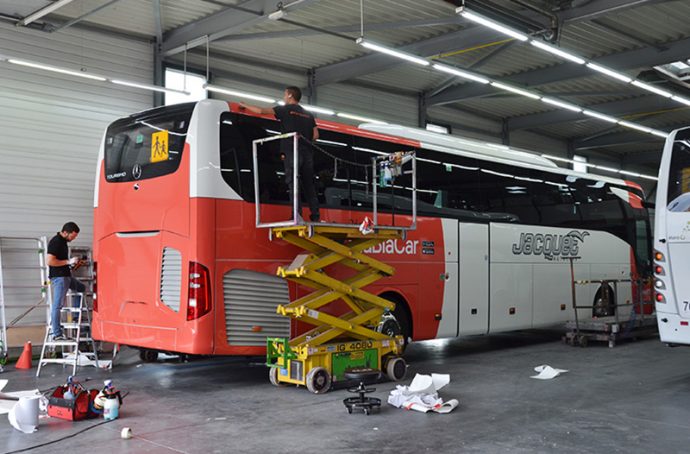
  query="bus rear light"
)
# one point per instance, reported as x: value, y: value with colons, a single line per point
x: 94, y: 287
x: 199, y: 300
x: 684, y: 323
x: 658, y: 256
x: 660, y: 298
x: 659, y: 270
x: 659, y: 284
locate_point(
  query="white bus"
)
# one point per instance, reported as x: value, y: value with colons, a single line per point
x: 672, y: 240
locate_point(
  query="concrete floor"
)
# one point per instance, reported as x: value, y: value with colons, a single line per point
x: 632, y: 398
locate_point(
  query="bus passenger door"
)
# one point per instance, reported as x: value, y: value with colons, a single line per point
x: 448, y: 325
x: 474, y: 279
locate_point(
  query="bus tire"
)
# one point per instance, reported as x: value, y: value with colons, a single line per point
x: 598, y: 309
x: 401, y: 314
x: 148, y: 356
x: 318, y: 380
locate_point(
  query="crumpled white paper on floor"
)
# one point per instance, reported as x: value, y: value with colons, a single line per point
x: 24, y: 414
x: 547, y: 372
x: 422, y: 394
x: 7, y: 405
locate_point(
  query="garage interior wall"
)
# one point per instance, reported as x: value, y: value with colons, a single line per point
x: 51, y: 127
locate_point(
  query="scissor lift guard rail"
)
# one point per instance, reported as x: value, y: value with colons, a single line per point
x: 336, y: 343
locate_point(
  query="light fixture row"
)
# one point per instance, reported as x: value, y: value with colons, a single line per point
x: 510, y: 88
x: 266, y: 99
x: 85, y: 75
x: 598, y: 167
x: 566, y: 55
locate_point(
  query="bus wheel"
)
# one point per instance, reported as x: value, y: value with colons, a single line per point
x: 600, y: 307
x: 273, y: 376
x: 401, y: 315
x: 148, y: 356
x: 318, y: 380
x: 396, y: 368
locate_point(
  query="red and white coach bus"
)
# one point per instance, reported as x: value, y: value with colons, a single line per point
x: 181, y: 266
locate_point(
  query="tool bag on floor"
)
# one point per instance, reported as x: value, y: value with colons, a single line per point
x: 71, y: 409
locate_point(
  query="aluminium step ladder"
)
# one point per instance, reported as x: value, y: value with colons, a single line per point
x: 77, y: 327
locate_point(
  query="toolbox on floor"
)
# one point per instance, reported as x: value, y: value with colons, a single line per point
x: 71, y: 409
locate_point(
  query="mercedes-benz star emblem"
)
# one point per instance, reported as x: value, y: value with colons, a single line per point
x: 136, y: 171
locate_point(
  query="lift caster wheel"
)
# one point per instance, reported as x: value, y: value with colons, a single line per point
x: 273, y: 377
x: 396, y: 368
x: 318, y: 380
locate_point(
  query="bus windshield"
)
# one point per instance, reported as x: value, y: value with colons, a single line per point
x: 146, y: 145
x: 679, y: 174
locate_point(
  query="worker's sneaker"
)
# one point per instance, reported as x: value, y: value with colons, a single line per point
x: 60, y: 337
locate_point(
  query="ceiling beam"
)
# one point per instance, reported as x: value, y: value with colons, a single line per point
x: 354, y: 28
x: 223, y: 23
x: 469, y: 37
x: 648, y: 104
x: 638, y: 58
x: 76, y: 20
x: 373, y: 62
x: 620, y: 138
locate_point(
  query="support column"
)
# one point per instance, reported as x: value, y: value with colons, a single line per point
x: 311, y: 87
x: 422, y: 116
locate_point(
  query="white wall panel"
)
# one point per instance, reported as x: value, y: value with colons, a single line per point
x: 52, y: 124
x: 51, y: 127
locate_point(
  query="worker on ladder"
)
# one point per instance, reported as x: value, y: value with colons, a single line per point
x: 60, y: 274
x: 294, y: 118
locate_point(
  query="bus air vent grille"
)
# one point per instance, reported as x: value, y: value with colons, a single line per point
x: 171, y: 278
x: 251, y: 299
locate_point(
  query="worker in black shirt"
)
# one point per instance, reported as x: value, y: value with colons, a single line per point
x: 294, y: 118
x: 60, y: 274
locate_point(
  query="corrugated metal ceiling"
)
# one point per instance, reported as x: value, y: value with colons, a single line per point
x: 630, y: 28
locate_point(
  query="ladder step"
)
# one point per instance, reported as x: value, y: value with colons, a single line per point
x: 65, y: 343
x: 74, y: 309
x: 72, y: 325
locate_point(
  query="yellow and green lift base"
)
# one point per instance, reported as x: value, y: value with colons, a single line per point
x: 354, y: 340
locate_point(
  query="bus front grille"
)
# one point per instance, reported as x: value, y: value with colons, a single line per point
x: 250, y: 300
x: 171, y: 278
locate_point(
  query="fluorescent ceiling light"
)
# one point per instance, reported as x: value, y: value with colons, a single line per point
x: 515, y: 90
x: 639, y: 127
x: 330, y: 142
x: 632, y: 174
x: 557, y: 51
x: 607, y: 169
x: 459, y: 73
x: 609, y: 72
x: 652, y: 88
x: 148, y: 87
x: 360, y: 118
x: 239, y: 94
x: 600, y: 116
x: 494, y: 25
x: 497, y: 145
x: 658, y: 133
x: 649, y: 177
x: 564, y: 105
x: 681, y: 100
x: 55, y: 69
x: 42, y: 12
x: 393, y: 52
x: 320, y: 110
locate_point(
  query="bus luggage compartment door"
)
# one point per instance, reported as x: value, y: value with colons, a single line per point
x: 474, y: 279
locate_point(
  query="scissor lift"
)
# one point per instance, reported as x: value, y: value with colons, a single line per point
x: 360, y: 338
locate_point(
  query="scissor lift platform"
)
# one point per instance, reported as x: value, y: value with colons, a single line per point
x: 356, y: 339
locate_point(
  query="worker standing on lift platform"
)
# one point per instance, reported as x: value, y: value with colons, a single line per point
x: 294, y: 118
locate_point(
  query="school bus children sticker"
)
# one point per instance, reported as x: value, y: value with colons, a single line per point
x: 159, y: 146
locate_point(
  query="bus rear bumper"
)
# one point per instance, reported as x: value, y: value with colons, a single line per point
x: 151, y: 337
x: 673, y: 329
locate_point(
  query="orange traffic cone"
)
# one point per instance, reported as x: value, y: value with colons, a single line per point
x: 24, y: 361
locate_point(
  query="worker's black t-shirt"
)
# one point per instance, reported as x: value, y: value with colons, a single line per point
x: 293, y: 118
x: 58, y: 247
